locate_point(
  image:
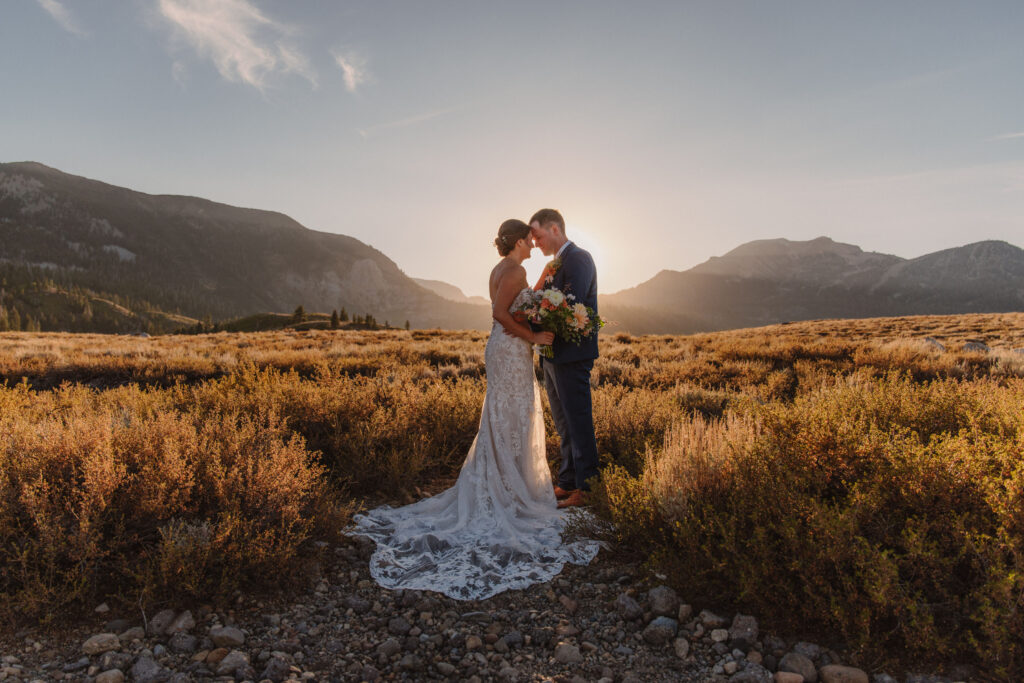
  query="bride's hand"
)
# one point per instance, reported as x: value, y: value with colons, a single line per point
x: 543, y: 338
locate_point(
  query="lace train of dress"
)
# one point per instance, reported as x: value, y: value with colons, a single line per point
x: 498, y: 528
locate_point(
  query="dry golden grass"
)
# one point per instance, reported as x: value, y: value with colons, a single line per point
x: 734, y: 358
x: 844, y: 475
x: 887, y: 509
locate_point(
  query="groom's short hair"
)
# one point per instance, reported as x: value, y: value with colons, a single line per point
x: 545, y: 216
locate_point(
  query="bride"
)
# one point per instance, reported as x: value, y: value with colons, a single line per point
x: 498, y: 527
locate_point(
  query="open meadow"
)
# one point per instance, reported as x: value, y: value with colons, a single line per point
x: 844, y: 477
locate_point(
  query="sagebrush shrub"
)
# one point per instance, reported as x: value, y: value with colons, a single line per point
x: 835, y: 475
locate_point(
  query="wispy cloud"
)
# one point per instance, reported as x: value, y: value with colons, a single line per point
x: 180, y: 74
x: 353, y: 67
x: 1007, y: 136
x: 402, y: 123
x: 62, y: 16
x: 243, y: 43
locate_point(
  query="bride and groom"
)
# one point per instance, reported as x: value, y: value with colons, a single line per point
x: 500, y: 526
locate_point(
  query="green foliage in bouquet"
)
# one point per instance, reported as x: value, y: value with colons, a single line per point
x: 554, y: 311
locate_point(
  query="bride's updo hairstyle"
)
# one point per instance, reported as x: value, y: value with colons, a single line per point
x: 510, y: 232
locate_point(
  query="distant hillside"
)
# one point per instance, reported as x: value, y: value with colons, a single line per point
x: 81, y: 255
x: 197, y: 258
x: 774, y: 281
x: 450, y: 292
x: 31, y: 300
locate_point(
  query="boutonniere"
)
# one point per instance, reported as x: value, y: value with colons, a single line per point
x: 550, y: 269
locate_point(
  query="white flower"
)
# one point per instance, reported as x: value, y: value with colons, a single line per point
x: 580, y: 310
x: 554, y: 297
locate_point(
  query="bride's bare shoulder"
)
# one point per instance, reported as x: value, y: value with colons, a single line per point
x: 505, y: 270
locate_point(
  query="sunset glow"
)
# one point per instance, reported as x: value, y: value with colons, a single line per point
x: 670, y: 135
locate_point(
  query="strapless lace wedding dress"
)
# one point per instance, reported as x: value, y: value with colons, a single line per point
x: 498, y: 528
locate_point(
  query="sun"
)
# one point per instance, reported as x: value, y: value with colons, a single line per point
x: 587, y: 239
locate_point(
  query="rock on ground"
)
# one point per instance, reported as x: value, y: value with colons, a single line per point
x: 586, y: 624
x: 100, y: 643
x: 834, y: 673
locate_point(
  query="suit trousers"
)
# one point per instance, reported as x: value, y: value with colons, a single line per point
x: 568, y: 389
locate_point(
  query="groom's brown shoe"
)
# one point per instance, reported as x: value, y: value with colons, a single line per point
x: 561, y: 493
x: 576, y: 499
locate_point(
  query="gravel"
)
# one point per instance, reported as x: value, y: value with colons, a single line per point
x: 604, y: 622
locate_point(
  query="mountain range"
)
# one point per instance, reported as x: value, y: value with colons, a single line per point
x: 197, y: 258
x: 772, y: 281
x: 450, y: 292
x: 83, y: 255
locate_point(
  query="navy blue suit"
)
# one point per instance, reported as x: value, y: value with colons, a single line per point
x: 567, y: 376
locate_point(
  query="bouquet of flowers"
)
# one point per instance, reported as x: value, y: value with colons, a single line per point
x: 555, y: 311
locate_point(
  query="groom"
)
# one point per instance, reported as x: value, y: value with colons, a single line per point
x: 567, y: 374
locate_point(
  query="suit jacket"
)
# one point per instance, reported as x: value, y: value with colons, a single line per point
x: 577, y: 276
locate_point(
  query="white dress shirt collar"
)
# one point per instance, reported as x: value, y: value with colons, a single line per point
x: 562, y: 248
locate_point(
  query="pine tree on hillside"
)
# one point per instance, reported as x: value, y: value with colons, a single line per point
x: 299, y: 315
x: 344, y: 315
x: 334, y: 320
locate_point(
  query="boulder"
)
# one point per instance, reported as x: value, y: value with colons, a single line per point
x: 276, y: 670
x: 743, y: 632
x: 835, y: 673
x: 566, y: 653
x: 157, y: 626
x: 133, y: 633
x: 809, y: 650
x: 628, y: 608
x: 226, y: 636
x: 794, y: 662
x: 389, y: 648
x: 664, y: 601
x: 660, y: 631
x: 146, y: 670
x: 710, y: 620
x: 183, y: 623
x: 183, y: 643
x: 232, y: 662
x: 100, y: 643
x: 787, y: 677
x: 752, y: 673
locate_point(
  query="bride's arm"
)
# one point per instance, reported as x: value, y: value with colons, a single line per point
x: 540, y: 282
x: 543, y: 276
x: 508, y: 288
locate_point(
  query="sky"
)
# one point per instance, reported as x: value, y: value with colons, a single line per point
x: 665, y: 132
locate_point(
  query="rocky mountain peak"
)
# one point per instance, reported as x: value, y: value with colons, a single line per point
x: 815, y: 260
x: 198, y: 257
